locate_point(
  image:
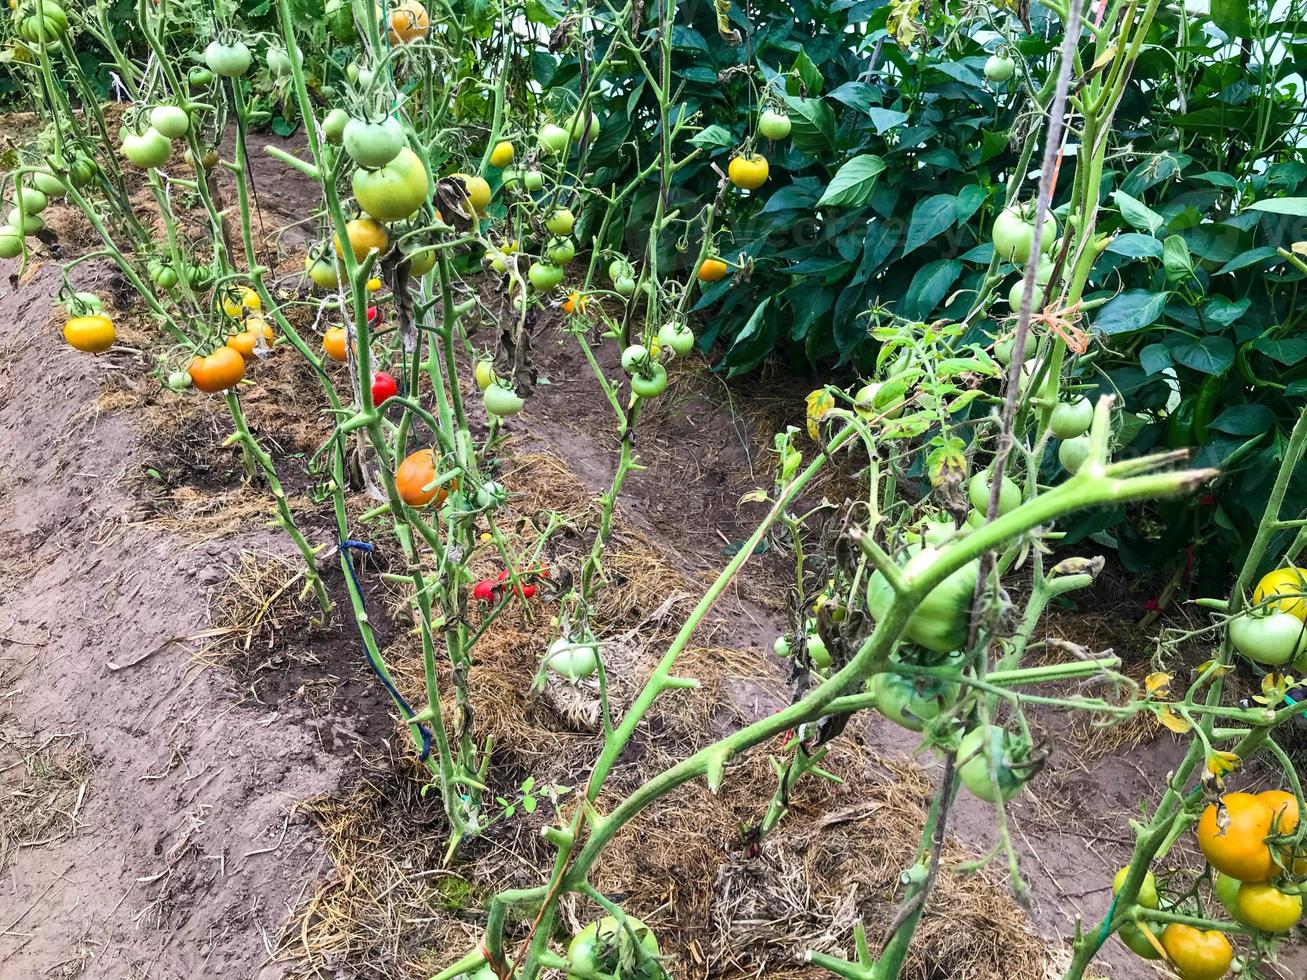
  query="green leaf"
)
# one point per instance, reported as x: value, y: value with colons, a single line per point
x: 931, y: 217
x: 929, y: 287
x: 753, y: 343
x: 1287, y: 350
x: 813, y: 124
x: 1175, y: 259
x: 881, y: 238
x: 713, y: 136
x: 1231, y: 16
x: 853, y: 183
x: 1211, y: 355
x: 1138, y: 214
x: 809, y: 74
x: 1132, y: 310
x: 885, y: 119
x: 1136, y: 246
x: 1223, y: 311
x: 1254, y: 256
x: 1295, y: 206
x: 1244, y: 420
x: 1155, y: 358
x: 970, y: 199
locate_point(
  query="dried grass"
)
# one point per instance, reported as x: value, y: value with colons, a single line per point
x: 46, y: 780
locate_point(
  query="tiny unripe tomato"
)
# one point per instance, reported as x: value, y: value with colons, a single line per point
x: 1290, y: 582
x: 323, y: 271
x: 333, y: 343
x: 1071, y: 419
x: 170, y: 120
x: 1197, y: 955
x: 561, y: 251
x: 573, y: 661
x: 781, y: 647
x: 1273, y: 639
x: 502, y: 155
x: 501, y: 400
x: 999, y: 68
x: 561, y: 222
x: 544, y: 276
x: 199, y: 77
x: 484, y: 373
x: 491, y: 494
x: 333, y: 126
x: 677, y: 337
x: 774, y: 125
x: 1072, y: 453
x: 748, y: 171
x: 373, y: 144
x: 553, y: 139
x: 1239, y: 847
x: 384, y: 386
x: 978, y: 488
x: 1267, y: 908
x: 533, y: 180
x: 1147, y: 896
x: 712, y: 270
x: 179, y: 380
x: 651, y: 383
x: 93, y: 334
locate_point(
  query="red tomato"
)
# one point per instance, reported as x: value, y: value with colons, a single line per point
x: 374, y: 316
x: 484, y: 591
x: 384, y: 386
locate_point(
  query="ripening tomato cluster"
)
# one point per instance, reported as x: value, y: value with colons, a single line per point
x: 225, y: 367
x: 1249, y: 841
x: 1273, y: 632
x: 489, y: 590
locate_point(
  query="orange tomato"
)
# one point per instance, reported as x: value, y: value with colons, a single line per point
x: 1285, y: 808
x: 415, y: 474
x: 712, y: 270
x: 93, y: 334
x: 243, y: 343
x: 365, y: 235
x: 1239, y: 849
x: 333, y: 343
x: 1197, y: 955
x: 219, y: 371
x: 408, y: 22
x: 575, y: 302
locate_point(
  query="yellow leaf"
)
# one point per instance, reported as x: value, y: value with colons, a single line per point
x: 1173, y: 721
x: 1157, y: 682
x: 820, y: 402
x: 1219, y: 763
x: 1299, y: 248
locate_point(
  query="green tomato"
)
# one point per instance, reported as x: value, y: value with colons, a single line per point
x: 941, y: 622
x: 179, y: 380
x: 1003, y: 350
x: 501, y: 400
x: 975, y: 751
x: 171, y: 120
x: 913, y: 701
x: 166, y: 277
x: 635, y: 358
x: 199, y: 77
x: 228, y: 60
x: 11, y: 242
x: 1017, y: 293
x: 977, y: 519
x: 781, y: 647
x: 606, y: 947
x: 544, y: 276
x: 1147, y: 896
x: 396, y: 190
x: 333, y: 126
x: 774, y: 125
x: 323, y: 271
x: 865, y: 402
x: 573, y: 661
x: 373, y: 144
x: 999, y: 68
x: 817, y: 651
x: 34, y: 202
x: 561, y: 251
x: 491, y: 495
x: 82, y: 170
x: 1009, y: 495
x: 1014, y: 235
x: 1071, y: 419
x: 624, y: 286
x: 84, y: 304
x: 1134, y: 938
x: 619, y: 269
x: 279, y: 62
x: 1226, y: 889
x: 148, y: 149
x: 28, y: 224
x: 1073, y: 453
x: 650, y: 384
x: 578, y: 128
x: 533, y: 180
x: 677, y: 337
x: 553, y: 139
x: 1273, y: 639
x: 48, y: 184
x: 560, y: 223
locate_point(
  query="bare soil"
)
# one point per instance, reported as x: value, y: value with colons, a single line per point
x: 199, y: 785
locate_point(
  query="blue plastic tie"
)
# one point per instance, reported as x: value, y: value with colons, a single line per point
x: 345, y: 547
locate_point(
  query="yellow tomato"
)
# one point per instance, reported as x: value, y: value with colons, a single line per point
x: 502, y: 154
x: 1284, y: 581
x: 1267, y: 908
x: 93, y: 334
x: 235, y: 301
x: 374, y: 285
x: 365, y: 235
x: 478, y: 191
x: 748, y: 171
